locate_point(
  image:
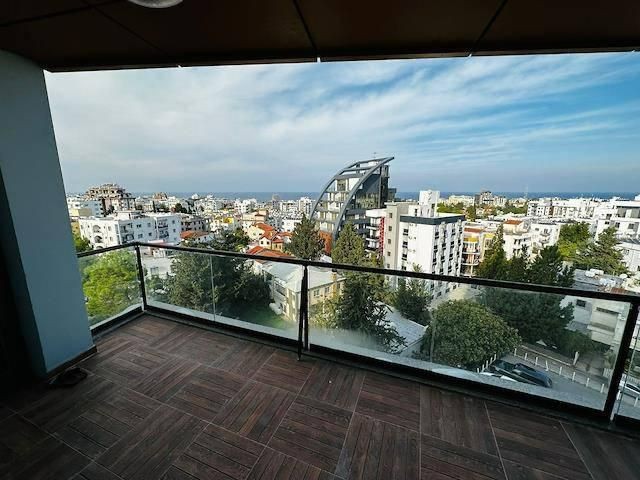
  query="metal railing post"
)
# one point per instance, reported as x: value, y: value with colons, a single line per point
x: 302, y: 317
x: 143, y: 291
x: 623, y: 352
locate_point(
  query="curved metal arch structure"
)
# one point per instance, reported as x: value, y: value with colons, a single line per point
x: 362, y: 170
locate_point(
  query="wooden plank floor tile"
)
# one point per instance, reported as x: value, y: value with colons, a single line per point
x: 195, y: 344
x: 108, y: 348
x: 101, y: 426
x: 216, y: 453
x: 391, y: 400
x: 132, y: 365
x: 51, y: 460
x: 96, y: 472
x: 456, y: 419
x: 207, y: 391
x: 18, y: 437
x: 148, y: 450
x: 604, y: 454
x: 58, y: 406
x: 245, y: 358
x: 147, y: 329
x: 284, y: 370
x: 5, y: 412
x: 255, y: 412
x: 315, y: 431
x: 535, y: 441
x: 274, y: 465
x: 519, y: 472
x: 167, y: 380
x: 334, y: 384
x: 376, y: 449
x: 440, y: 459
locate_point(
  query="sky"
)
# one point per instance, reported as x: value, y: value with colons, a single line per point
x: 512, y: 123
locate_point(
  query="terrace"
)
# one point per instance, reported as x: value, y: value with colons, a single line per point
x: 168, y: 399
x: 209, y: 390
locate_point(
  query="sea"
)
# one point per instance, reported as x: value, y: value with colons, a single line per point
x: 266, y: 196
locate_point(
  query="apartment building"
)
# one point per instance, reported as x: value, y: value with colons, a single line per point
x: 126, y: 227
x: 193, y: 223
x: 80, y: 206
x: 631, y: 250
x: 465, y: 200
x: 415, y: 234
x: 113, y: 197
x: 571, y: 209
x: 346, y: 197
x: 623, y: 215
x: 488, y: 199
x: 476, y: 241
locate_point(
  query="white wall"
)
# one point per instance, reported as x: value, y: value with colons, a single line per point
x: 43, y: 271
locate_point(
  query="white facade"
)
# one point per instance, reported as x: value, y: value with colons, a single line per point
x: 289, y: 224
x: 415, y: 234
x: 623, y: 215
x: 77, y: 205
x: 244, y: 206
x: 127, y: 227
x: 466, y: 200
x: 631, y: 251
x: 570, y: 209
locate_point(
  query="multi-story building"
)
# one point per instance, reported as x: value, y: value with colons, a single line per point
x: 194, y: 236
x: 289, y: 224
x: 193, y: 223
x: 571, y: 209
x: 477, y: 239
x: 623, y: 215
x: 517, y: 236
x: 488, y: 199
x: 544, y: 234
x: 416, y: 235
x: 127, y: 227
x: 242, y: 207
x: 113, y: 197
x: 631, y: 250
x: 80, y: 206
x: 347, y: 196
x: 465, y: 200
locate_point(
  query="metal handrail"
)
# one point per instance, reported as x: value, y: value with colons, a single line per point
x: 484, y: 282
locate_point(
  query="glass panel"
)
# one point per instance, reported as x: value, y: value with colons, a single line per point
x: 110, y: 284
x: 555, y: 346
x: 628, y: 398
x: 257, y: 295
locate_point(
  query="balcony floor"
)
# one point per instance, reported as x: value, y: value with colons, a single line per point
x: 165, y: 400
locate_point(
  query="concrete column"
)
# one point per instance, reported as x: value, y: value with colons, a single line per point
x: 35, y: 236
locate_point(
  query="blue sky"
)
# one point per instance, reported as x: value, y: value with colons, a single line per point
x: 546, y: 123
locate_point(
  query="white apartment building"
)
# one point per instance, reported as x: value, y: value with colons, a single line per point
x: 245, y: 206
x: 517, y: 236
x: 415, y: 234
x: 623, y: 215
x: 289, y: 224
x: 476, y: 240
x: 544, y: 234
x: 631, y: 250
x: 126, y: 227
x: 112, y: 196
x: 571, y: 209
x: 80, y: 206
x: 465, y: 200
x: 193, y: 223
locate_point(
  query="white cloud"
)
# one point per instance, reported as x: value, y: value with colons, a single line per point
x: 453, y: 124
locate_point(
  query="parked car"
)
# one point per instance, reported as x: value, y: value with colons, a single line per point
x: 630, y: 389
x: 497, y: 375
x: 533, y: 375
x: 522, y: 373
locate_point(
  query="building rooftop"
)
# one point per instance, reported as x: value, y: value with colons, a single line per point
x: 168, y: 400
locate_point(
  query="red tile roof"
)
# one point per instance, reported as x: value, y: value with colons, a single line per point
x: 264, y: 227
x: 513, y: 222
x: 192, y: 234
x: 265, y: 252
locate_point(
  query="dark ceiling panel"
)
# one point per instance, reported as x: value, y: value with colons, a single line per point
x: 80, y: 40
x: 360, y: 27
x: 564, y: 25
x: 12, y: 11
x: 207, y: 31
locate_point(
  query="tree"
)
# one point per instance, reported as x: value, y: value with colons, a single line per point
x: 602, y: 254
x: 110, y: 284
x: 230, y: 241
x: 306, y: 242
x: 466, y: 334
x: 179, y: 208
x: 548, y: 269
x: 412, y: 299
x: 451, y: 208
x: 495, y: 263
x: 358, y: 310
x: 81, y: 243
x: 517, y: 269
x: 471, y: 213
x: 573, y: 238
x: 349, y: 248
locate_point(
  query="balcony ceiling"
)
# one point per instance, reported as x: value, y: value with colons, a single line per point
x: 63, y: 35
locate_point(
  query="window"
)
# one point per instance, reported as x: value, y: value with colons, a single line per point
x: 390, y: 215
x: 581, y: 303
x: 388, y: 241
x: 316, y: 293
x: 140, y: 235
x: 390, y: 228
x: 150, y: 234
x: 388, y: 253
x: 326, y: 290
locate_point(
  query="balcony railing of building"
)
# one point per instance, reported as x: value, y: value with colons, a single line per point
x: 235, y: 291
